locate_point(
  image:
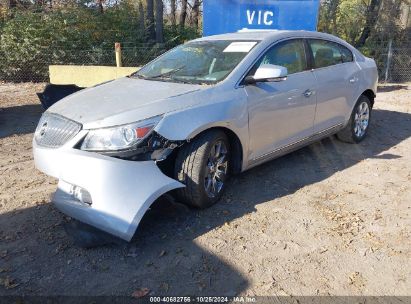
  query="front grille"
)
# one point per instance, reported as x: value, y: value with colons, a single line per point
x: 53, y: 130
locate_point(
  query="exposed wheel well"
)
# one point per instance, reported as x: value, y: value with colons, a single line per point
x: 236, y: 148
x: 167, y: 165
x: 370, y: 94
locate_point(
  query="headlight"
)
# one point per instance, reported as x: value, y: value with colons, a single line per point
x: 120, y: 137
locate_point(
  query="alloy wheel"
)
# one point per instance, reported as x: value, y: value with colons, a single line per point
x: 216, y: 169
x: 361, y: 119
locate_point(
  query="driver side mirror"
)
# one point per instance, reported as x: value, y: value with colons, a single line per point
x: 268, y: 73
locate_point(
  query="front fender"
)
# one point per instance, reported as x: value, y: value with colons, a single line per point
x: 186, y: 124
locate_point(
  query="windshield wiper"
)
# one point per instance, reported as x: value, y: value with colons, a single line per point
x: 137, y: 76
x: 167, y: 74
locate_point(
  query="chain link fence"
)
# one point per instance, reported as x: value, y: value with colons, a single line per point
x: 35, y: 67
x: 398, y: 65
x: 394, y: 62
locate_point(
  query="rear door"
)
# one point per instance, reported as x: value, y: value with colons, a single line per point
x: 337, y: 76
x: 281, y: 113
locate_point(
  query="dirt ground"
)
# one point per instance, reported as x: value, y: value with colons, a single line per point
x: 329, y: 219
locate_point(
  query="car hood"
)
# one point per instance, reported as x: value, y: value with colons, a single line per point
x: 125, y: 100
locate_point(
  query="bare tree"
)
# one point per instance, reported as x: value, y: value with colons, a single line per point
x: 141, y: 16
x: 151, y: 32
x: 183, y: 13
x: 159, y: 21
x: 173, y: 17
x: 8, y: 4
x: 370, y: 21
x: 333, y: 14
x: 100, y: 6
x: 330, y: 14
x: 195, y: 13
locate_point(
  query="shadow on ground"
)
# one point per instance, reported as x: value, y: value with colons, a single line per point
x: 164, y: 254
x: 19, y: 120
x: 391, y: 88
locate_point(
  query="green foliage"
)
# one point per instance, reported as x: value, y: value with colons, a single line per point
x: 33, y: 40
x: 350, y: 21
x: 176, y: 36
x: 349, y: 18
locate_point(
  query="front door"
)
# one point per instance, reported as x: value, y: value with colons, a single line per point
x: 281, y: 113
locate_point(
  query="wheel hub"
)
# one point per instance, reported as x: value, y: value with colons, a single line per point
x: 361, y: 119
x: 216, y: 169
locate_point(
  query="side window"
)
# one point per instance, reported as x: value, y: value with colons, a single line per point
x: 346, y: 54
x: 325, y: 53
x: 289, y: 54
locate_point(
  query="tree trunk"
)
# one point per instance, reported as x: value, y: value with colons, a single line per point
x: 183, y: 14
x: 10, y: 4
x: 333, y: 15
x: 370, y: 21
x: 141, y: 17
x: 173, y: 5
x: 196, y: 12
x: 330, y: 15
x: 159, y: 21
x: 150, y: 21
x: 100, y: 6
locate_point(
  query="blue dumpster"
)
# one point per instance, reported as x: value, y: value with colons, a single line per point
x: 226, y: 16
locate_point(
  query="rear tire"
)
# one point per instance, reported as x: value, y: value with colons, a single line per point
x: 202, y: 165
x: 357, y: 126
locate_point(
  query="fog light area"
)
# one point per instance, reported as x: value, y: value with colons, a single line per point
x: 81, y: 194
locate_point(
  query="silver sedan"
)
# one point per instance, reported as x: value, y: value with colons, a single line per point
x: 205, y: 110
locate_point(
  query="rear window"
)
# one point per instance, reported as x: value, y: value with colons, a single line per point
x: 325, y: 53
x: 346, y: 54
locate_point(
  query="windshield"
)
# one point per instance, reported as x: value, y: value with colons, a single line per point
x: 203, y: 62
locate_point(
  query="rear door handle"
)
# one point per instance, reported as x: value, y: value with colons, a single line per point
x: 307, y: 93
x: 354, y: 79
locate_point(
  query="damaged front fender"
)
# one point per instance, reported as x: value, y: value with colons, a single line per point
x: 120, y: 191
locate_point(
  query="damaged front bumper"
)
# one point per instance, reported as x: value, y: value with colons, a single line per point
x: 106, y: 192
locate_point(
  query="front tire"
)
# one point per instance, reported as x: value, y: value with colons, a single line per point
x: 357, y: 126
x: 202, y: 165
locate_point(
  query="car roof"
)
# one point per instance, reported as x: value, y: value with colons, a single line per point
x: 248, y: 35
x: 271, y: 35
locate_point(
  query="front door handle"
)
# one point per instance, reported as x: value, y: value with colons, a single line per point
x: 307, y: 93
